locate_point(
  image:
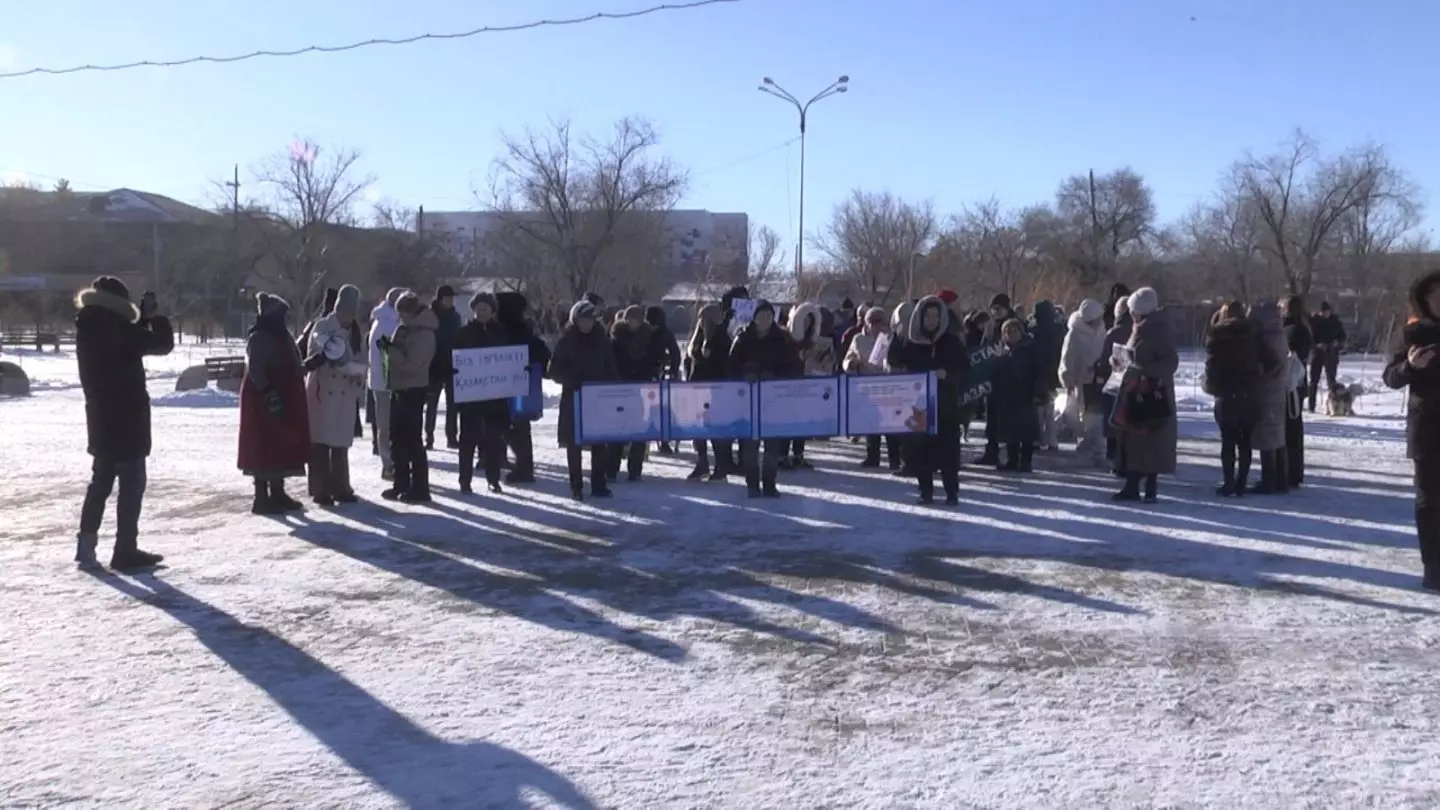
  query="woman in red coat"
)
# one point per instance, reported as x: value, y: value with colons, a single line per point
x: 274, y: 424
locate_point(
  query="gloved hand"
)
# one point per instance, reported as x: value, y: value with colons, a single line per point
x: 314, y: 361
x: 384, y: 342
x: 275, y: 403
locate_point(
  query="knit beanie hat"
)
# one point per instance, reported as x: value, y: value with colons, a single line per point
x: 581, y: 309
x: 1001, y: 300
x: 950, y: 296
x: 394, y: 295
x: 267, y: 304
x: 348, y: 299
x: 1144, y: 302
x: 764, y: 306
x: 112, y: 285
x: 484, y: 298
x: 408, y: 304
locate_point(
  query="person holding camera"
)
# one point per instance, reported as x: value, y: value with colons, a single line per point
x: 112, y: 338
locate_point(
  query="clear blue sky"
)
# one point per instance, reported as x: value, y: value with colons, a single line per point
x: 950, y: 100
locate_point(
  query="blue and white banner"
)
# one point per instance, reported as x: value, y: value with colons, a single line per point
x: 889, y: 404
x: 807, y: 407
x: 501, y: 372
x: 619, y: 412
x: 719, y: 409
x: 530, y: 406
x: 803, y: 408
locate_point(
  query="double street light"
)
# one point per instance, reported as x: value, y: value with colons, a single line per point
x: 770, y: 87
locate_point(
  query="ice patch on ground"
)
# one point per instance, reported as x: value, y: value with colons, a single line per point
x: 198, y: 398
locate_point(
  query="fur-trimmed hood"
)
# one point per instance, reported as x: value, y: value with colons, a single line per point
x: 92, y: 297
x: 800, y: 316
x: 915, y: 330
x: 1090, y: 311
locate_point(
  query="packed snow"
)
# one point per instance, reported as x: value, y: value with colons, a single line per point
x: 681, y: 647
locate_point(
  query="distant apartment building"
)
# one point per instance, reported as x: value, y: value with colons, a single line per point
x: 703, y: 244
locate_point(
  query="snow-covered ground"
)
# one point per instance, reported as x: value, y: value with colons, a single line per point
x: 681, y: 647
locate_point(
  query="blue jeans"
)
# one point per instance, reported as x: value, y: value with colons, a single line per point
x: 103, y: 474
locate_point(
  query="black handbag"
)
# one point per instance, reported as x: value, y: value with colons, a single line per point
x: 1148, y: 403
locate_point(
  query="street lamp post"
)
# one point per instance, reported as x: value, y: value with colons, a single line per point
x: 770, y: 87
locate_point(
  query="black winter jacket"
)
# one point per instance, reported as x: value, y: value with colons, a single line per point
x: 1236, y: 358
x: 754, y: 356
x: 111, y: 340
x: 1422, y: 419
x: 475, y: 335
x: 636, y: 354
x: 1327, y: 329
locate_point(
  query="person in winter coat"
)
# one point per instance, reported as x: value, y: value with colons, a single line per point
x: 666, y: 351
x: 817, y: 356
x: 1148, y: 449
x: 858, y: 328
x: 112, y: 338
x: 274, y: 419
x: 1117, y: 335
x: 933, y: 346
x: 332, y: 394
x: 1080, y: 355
x: 384, y: 320
x: 1328, y: 333
x: 483, y: 424
x: 1236, y: 361
x: 1297, y: 337
x: 1413, y: 367
x: 709, y: 352
x: 583, y: 354
x: 1001, y: 311
x: 638, y: 360
x: 1276, y: 399
x: 520, y: 331
x: 1118, y: 292
x: 848, y: 318
x: 1016, y: 390
x: 409, y: 359
x: 857, y: 361
x: 442, y: 369
x: 763, y: 351
x: 1047, y: 333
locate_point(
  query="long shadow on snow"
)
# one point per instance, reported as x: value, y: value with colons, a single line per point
x: 615, y: 574
x: 1090, y: 492
x: 882, y: 557
x: 504, y: 594
x: 1124, y: 548
x: 383, y: 745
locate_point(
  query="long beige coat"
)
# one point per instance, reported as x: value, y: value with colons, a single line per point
x: 335, y: 390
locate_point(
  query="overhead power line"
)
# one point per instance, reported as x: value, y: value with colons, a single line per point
x: 309, y: 49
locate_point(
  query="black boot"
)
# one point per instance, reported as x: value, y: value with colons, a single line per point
x: 950, y: 479
x: 134, y: 559
x: 282, y: 501
x: 264, y: 504
x: 1131, y: 490
x: 927, y: 488
x: 85, y: 549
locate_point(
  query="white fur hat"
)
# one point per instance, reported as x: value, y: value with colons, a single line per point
x: 1144, y: 302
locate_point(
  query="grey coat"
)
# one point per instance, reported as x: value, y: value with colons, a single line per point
x: 1275, y: 390
x: 1152, y: 451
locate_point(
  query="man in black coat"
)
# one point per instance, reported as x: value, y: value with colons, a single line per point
x: 442, y: 370
x: 1413, y: 366
x: 1328, y: 333
x: 521, y: 332
x: 112, y: 336
x: 763, y: 351
x: 483, y: 424
x: 667, y: 353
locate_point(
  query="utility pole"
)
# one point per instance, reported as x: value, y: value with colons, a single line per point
x: 234, y: 186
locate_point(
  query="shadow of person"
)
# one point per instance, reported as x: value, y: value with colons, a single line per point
x: 420, y: 770
x: 507, y: 594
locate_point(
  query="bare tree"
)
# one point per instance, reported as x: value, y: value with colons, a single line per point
x: 1105, y: 214
x: 408, y: 256
x: 1226, y: 235
x: 1302, y: 197
x: 872, y: 238
x: 589, y: 204
x: 307, y: 191
x: 767, y: 257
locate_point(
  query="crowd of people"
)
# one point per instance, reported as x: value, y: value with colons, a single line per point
x: 1114, y: 363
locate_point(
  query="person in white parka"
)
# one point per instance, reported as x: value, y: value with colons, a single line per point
x: 1080, y: 357
x: 384, y: 320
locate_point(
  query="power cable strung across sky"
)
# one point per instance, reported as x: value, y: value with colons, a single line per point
x: 309, y: 49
